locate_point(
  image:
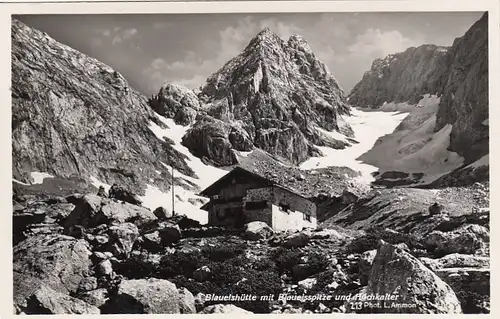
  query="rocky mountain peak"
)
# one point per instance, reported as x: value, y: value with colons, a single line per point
x: 297, y: 42
x: 275, y: 95
x: 265, y: 39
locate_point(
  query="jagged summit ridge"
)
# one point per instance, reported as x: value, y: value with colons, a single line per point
x: 402, y: 77
x: 276, y: 96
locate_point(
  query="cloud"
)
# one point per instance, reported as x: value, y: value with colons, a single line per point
x: 116, y: 34
x: 376, y: 43
x: 161, y: 25
x: 124, y: 35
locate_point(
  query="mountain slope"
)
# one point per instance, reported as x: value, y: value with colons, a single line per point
x: 446, y: 138
x: 275, y: 95
x: 73, y: 115
x: 402, y: 77
x: 75, y: 118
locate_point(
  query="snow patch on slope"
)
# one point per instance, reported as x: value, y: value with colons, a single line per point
x: 417, y: 150
x: 38, y: 177
x: 186, y: 201
x: 427, y: 100
x: 333, y: 134
x: 19, y: 182
x: 483, y: 161
x: 368, y: 126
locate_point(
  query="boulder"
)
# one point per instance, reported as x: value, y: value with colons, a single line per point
x: 184, y: 222
x: 87, y: 284
x: 299, y: 239
x: 176, y: 102
x: 457, y: 261
x: 121, y: 193
x: 468, y: 239
x: 169, y: 233
x: 144, y: 296
x: 209, y: 138
x: 122, y: 238
x: 365, y: 264
x: 91, y: 211
x: 258, y: 230
x: 185, y: 116
x: 435, y: 209
x: 161, y: 213
x: 46, y: 300
x: 97, y: 297
x: 203, y: 273
x: 224, y: 309
x: 55, y: 261
x: 187, y: 303
x: 468, y: 275
x: 471, y: 285
x: 152, y: 241
x: 395, y: 271
x: 39, y: 217
x: 349, y: 197
x: 307, y: 283
x: 102, y: 192
x: 199, y: 301
x: 105, y: 268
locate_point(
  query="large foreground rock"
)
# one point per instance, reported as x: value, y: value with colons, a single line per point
x: 187, y: 302
x: 469, y: 276
x: 456, y: 261
x: 468, y: 239
x: 146, y: 296
x: 299, y: 239
x: 395, y: 271
x: 55, y: 261
x: 92, y: 210
x: 48, y: 301
x: 122, y: 238
x: 121, y: 193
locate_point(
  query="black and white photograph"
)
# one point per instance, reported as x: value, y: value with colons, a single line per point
x: 251, y: 162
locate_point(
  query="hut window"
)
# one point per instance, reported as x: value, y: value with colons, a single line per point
x: 307, y: 217
x: 256, y: 205
x: 284, y: 207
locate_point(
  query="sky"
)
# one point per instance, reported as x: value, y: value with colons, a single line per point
x: 185, y: 49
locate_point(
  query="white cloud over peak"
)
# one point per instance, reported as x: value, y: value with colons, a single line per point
x: 116, y: 34
x: 376, y: 43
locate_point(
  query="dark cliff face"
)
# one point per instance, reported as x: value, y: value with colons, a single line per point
x: 272, y: 96
x: 72, y: 115
x: 464, y: 103
x: 402, y: 77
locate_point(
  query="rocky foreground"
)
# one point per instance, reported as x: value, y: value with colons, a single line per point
x: 101, y: 254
